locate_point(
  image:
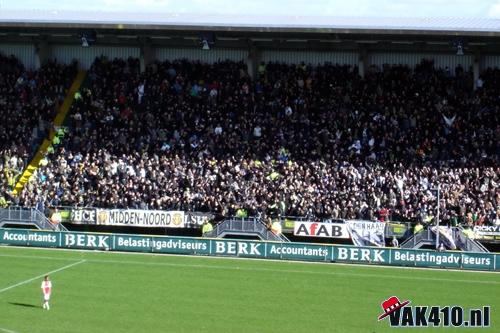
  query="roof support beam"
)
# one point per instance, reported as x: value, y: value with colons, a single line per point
x: 362, y: 61
x: 148, y: 54
x: 43, y: 52
x: 476, y: 67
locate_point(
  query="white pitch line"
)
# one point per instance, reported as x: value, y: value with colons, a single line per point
x: 42, y: 275
x: 238, y: 268
x: 36, y: 257
x: 7, y: 331
x: 262, y: 269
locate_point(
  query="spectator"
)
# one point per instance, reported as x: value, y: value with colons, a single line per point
x: 300, y: 140
x: 28, y: 104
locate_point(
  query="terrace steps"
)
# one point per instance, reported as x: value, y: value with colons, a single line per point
x: 47, y: 142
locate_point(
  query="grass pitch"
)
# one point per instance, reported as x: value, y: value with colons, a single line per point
x: 117, y: 292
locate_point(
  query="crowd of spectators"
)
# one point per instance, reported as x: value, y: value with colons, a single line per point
x: 28, y: 105
x: 299, y: 140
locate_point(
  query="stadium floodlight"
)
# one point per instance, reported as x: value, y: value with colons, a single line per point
x: 261, y: 39
x: 207, y: 40
x: 228, y: 38
x: 85, y: 42
x: 460, y: 45
x: 127, y: 36
x: 87, y: 38
x: 438, y: 43
x: 330, y: 41
x: 204, y: 45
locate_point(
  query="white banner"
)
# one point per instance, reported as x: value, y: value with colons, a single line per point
x: 445, y: 237
x: 487, y: 230
x: 83, y: 216
x: 141, y: 218
x: 316, y: 229
x: 366, y: 233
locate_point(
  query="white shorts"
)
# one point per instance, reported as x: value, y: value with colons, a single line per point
x: 46, y: 297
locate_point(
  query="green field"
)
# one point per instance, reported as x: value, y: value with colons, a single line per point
x: 120, y: 292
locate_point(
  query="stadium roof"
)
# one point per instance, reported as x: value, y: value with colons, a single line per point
x: 233, y: 22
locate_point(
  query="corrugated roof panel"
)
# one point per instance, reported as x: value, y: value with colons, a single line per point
x: 207, y: 56
x: 492, y: 61
x: 24, y: 52
x: 86, y: 55
x: 411, y: 59
x: 313, y: 58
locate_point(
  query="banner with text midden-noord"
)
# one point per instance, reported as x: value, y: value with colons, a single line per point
x: 251, y: 249
x: 135, y: 217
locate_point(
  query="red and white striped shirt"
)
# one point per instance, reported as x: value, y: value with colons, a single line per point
x: 46, y: 287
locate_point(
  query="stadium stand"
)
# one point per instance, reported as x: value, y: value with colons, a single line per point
x: 303, y: 140
x: 29, y: 102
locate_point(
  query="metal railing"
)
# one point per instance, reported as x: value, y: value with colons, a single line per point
x: 466, y: 243
x: 247, y: 227
x: 280, y: 218
x: 423, y: 237
x: 28, y: 216
x: 428, y: 237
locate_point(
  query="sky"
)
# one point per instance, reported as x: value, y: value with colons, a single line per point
x: 343, y: 8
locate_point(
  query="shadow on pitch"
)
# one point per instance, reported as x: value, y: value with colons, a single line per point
x: 24, y: 304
